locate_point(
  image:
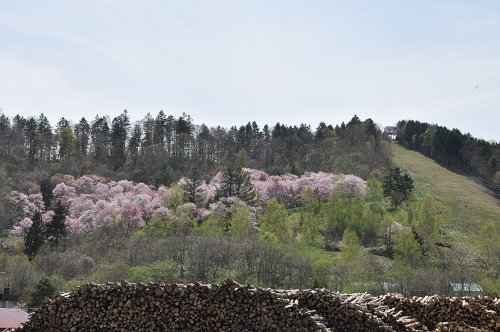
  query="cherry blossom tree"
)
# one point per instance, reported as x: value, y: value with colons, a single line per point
x: 23, y: 205
x: 288, y: 188
x: 206, y: 191
x: 94, y: 203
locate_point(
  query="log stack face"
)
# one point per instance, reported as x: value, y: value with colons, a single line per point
x: 234, y: 307
x: 170, y: 307
x: 452, y: 314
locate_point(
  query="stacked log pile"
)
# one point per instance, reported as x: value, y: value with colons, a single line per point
x: 234, y: 307
x: 450, y: 314
x: 171, y: 307
x: 342, y: 312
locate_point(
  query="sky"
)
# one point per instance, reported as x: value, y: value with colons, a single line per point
x: 229, y: 62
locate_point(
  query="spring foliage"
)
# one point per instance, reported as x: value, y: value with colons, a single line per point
x: 94, y: 203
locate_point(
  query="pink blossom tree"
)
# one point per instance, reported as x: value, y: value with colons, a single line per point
x: 288, y: 188
x: 95, y: 203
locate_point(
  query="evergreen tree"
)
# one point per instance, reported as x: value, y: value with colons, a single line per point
x: 159, y: 129
x: 56, y: 228
x: 319, y: 134
x: 45, y: 139
x: 31, y: 140
x: 203, y: 143
x: 4, y: 123
x: 183, y: 130
x: 236, y: 182
x: 256, y: 149
x: 169, y: 134
x: 119, y: 132
x: 354, y: 121
x: 148, y: 126
x: 398, y: 185
x: 134, y: 143
x: 100, y: 135
x: 44, y: 290
x: 46, y: 188
x: 34, y: 239
x: 66, y: 142
x: 82, y: 137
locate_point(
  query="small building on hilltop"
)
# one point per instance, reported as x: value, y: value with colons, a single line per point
x: 390, y: 132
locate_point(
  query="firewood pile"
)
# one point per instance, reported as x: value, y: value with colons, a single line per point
x: 235, y: 307
x: 450, y: 314
x: 171, y: 307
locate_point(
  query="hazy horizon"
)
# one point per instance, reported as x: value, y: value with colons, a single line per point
x: 229, y: 62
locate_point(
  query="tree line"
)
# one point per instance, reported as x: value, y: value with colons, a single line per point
x: 158, y: 150
x: 453, y: 149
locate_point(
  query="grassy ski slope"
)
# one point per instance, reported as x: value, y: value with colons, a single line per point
x: 465, y: 203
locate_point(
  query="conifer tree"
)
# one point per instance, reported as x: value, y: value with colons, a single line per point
x: 44, y: 290
x: 119, y: 133
x: 398, y: 185
x: 56, y: 228
x: 236, y: 182
x: 82, y: 137
x: 34, y: 239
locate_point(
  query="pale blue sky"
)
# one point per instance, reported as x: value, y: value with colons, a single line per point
x: 230, y: 62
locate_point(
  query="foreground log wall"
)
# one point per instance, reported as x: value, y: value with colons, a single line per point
x: 234, y: 307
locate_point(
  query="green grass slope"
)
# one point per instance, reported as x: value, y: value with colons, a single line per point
x: 466, y: 204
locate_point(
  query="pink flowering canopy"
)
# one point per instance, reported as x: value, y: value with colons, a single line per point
x: 287, y: 188
x: 205, y: 192
x: 25, y: 205
x: 95, y: 203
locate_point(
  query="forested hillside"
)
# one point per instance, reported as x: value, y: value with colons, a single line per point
x: 159, y: 150
x: 168, y: 200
